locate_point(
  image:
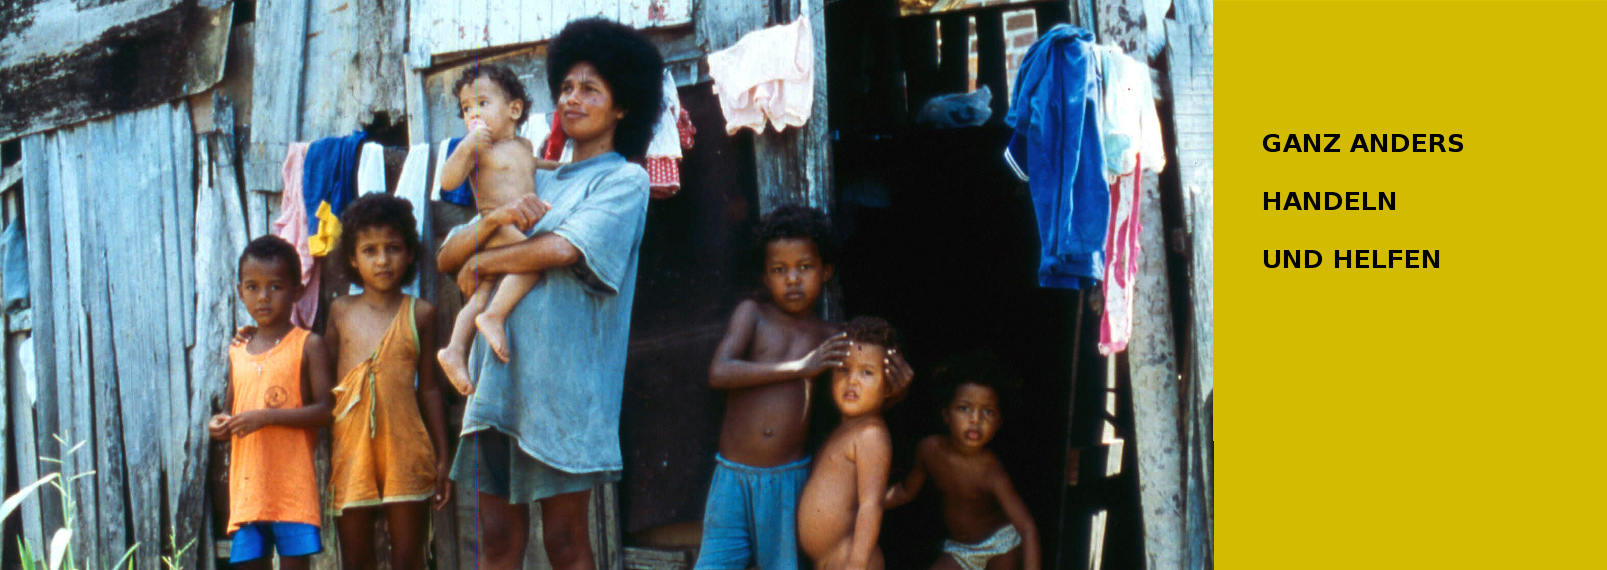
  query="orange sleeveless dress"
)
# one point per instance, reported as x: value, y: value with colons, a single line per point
x: 380, y: 451
x: 271, y: 470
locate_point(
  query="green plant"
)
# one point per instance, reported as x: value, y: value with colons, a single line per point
x: 60, y: 549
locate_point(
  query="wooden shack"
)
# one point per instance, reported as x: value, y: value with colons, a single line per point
x: 142, y: 147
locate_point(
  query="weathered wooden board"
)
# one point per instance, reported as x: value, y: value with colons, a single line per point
x: 1152, y: 366
x: 20, y: 412
x: 1189, y: 51
x: 450, y: 29
x: 354, y: 54
x: 133, y: 315
x: 67, y: 61
x: 39, y: 380
x: 278, y: 59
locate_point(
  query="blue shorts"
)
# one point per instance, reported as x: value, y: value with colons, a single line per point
x: 256, y: 540
x: 751, y: 518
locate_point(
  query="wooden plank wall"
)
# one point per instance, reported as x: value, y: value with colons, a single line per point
x: 279, y: 31
x: 357, y: 51
x: 111, y: 211
x: 445, y: 27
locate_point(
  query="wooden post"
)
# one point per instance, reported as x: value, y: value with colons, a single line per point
x: 918, y: 37
x: 990, y: 69
x: 1189, y: 51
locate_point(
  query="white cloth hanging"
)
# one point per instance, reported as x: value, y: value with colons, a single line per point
x: 767, y: 75
x: 371, y: 169
x: 413, y: 186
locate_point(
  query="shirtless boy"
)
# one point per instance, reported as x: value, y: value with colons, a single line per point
x: 840, y: 512
x: 500, y: 166
x: 771, y: 349
x: 989, y: 524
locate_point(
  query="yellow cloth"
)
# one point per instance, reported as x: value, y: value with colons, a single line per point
x: 328, y: 232
x: 380, y: 451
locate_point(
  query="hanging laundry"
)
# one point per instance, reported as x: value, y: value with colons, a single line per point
x: 413, y: 185
x: 664, y: 152
x: 371, y: 169
x: 767, y: 75
x: 15, y: 242
x: 1121, y: 268
x: 292, y: 227
x: 330, y: 174
x: 462, y: 195
x: 1132, y: 138
x: 1128, y: 117
x: 1055, y: 114
x: 323, y: 242
x: 555, y: 143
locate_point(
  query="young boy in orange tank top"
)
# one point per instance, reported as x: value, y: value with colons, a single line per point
x: 279, y: 394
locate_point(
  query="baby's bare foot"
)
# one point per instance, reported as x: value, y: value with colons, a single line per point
x: 496, y: 334
x: 456, y: 366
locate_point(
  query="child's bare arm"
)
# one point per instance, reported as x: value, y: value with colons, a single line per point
x: 902, y: 493
x: 464, y: 158
x: 317, y: 401
x: 1020, y: 517
x: 873, y: 455
x: 729, y: 371
x: 429, y: 400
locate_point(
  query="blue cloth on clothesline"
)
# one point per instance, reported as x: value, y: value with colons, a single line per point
x: 1058, y: 150
x: 330, y: 175
x: 15, y: 244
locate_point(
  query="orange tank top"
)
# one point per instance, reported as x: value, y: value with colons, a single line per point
x: 271, y: 470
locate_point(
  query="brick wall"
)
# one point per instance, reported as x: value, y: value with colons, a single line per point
x: 1020, y: 30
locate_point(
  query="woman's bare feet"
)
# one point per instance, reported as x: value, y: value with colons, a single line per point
x: 455, y: 363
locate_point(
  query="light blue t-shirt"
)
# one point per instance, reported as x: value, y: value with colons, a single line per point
x: 559, y: 394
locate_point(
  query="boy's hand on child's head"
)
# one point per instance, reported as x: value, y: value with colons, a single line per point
x: 217, y: 427
x: 244, y: 423
x: 243, y: 334
x: 830, y: 354
x: 899, y: 373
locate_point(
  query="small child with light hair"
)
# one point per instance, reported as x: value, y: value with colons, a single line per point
x: 840, y: 512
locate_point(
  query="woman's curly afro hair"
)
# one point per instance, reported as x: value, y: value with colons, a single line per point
x: 629, y: 63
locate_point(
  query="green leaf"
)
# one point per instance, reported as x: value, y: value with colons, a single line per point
x: 126, y: 557
x: 58, y: 547
x: 25, y: 553
x: 16, y: 499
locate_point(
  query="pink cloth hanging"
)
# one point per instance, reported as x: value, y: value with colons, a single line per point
x: 1121, y: 261
x: 292, y: 226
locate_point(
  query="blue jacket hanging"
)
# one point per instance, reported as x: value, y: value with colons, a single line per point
x: 1058, y: 150
x: 329, y: 175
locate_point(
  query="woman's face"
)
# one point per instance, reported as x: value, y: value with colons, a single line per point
x: 586, y: 103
